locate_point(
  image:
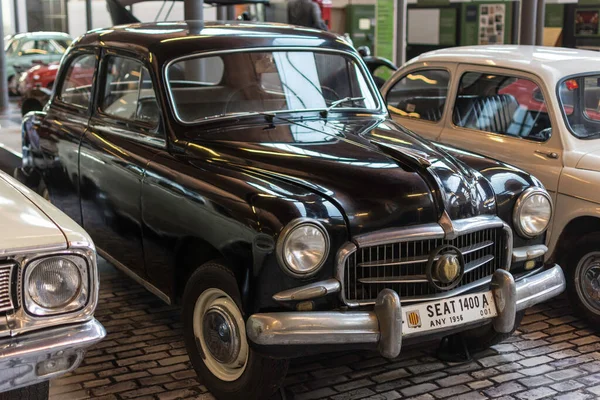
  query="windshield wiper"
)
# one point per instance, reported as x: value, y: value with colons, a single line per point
x: 336, y: 103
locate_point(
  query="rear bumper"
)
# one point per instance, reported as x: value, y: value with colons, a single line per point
x: 382, y: 327
x: 39, y: 356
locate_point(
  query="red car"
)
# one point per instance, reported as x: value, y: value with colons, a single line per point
x: 35, y: 85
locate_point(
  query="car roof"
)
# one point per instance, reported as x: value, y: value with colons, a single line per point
x: 167, y: 40
x: 551, y: 63
x: 49, y: 35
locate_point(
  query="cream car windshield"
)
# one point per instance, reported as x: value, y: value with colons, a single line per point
x: 580, y: 102
x: 260, y: 81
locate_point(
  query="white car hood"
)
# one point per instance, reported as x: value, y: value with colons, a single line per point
x: 590, y: 161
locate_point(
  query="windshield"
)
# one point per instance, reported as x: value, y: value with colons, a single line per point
x: 580, y: 102
x: 249, y: 82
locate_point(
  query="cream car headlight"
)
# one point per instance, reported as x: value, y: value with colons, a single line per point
x: 56, y: 285
x: 303, y: 247
x: 532, y: 212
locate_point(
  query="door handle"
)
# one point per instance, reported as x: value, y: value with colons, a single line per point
x: 549, y: 154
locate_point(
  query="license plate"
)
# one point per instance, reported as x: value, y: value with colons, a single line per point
x: 454, y: 311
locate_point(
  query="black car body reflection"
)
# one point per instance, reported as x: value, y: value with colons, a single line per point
x: 198, y: 150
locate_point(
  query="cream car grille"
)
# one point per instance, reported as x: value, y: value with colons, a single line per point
x: 402, y: 266
x: 6, y: 287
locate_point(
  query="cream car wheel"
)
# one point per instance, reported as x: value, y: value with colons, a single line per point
x: 220, y: 334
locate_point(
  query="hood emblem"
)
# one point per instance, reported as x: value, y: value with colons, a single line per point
x: 445, y: 267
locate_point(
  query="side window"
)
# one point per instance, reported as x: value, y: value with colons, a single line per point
x: 76, y: 88
x: 420, y: 95
x: 502, y: 104
x: 128, y: 91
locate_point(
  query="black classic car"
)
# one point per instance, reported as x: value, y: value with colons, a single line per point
x: 250, y: 173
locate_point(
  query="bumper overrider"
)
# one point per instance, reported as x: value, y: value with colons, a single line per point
x: 382, y: 327
x: 38, y: 356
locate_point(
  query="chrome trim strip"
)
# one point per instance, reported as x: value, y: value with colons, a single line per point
x: 151, y: 288
x: 419, y: 260
x: 307, y: 292
x: 381, y: 109
x: 400, y: 235
x: 473, y: 265
x: 470, y: 225
x: 528, y: 252
x: 403, y: 279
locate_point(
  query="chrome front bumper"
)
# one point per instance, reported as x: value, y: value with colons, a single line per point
x: 382, y: 327
x: 39, y: 356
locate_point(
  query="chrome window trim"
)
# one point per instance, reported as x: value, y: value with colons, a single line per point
x: 380, y: 106
x: 422, y: 232
x: 527, y: 193
x: 21, y: 321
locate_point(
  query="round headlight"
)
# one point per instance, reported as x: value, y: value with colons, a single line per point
x: 54, y: 283
x: 532, y: 212
x: 303, y: 247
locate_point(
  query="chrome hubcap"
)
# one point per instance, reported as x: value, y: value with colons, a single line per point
x: 220, y: 334
x: 588, y: 281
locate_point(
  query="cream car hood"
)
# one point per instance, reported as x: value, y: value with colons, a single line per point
x: 31, y: 224
x: 590, y: 161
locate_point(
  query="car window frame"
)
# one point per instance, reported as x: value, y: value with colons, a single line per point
x: 380, y: 108
x: 560, y: 104
x: 463, y: 69
x: 63, y: 70
x: 394, y: 81
x: 138, y: 131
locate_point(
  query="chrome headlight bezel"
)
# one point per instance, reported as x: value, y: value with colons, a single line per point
x: 79, y: 300
x: 521, y: 201
x: 282, y: 243
x: 22, y: 321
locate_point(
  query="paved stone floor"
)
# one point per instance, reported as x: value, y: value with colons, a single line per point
x: 553, y: 355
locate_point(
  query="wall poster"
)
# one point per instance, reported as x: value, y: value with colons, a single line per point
x: 491, y: 23
x: 586, y: 22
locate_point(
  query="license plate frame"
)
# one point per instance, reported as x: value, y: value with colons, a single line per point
x: 448, y: 313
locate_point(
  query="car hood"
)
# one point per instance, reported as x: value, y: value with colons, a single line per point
x: 33, y: 224
x: 379, y: 174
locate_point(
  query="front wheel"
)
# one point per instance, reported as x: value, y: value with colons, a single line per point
x: 215, y: 338
x: 33, y: 392
x: 583, y: 278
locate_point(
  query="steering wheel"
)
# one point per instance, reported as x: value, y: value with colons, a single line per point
x: 236, y: 91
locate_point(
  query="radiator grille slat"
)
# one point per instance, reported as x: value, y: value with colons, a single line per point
x: 6, y: 297
x: 402, y: 266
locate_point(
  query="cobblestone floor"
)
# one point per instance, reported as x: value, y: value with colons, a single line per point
x: 552, y: 356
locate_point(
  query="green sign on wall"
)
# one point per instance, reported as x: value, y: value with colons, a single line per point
x: 384, y: 29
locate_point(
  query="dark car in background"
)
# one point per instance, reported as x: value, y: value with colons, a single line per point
x: 250, y: 173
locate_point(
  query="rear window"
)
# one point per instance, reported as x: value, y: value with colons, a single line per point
x: 580, y: 102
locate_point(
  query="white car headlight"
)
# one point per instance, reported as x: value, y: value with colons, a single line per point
x: 532, y: 212
x: 55, y: 285
x: 303, y: 247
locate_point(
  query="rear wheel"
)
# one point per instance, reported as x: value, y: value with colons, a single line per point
x: 583, y: 278
x: 33, y: 392
x: 12, y: 85
x: 215, y: 338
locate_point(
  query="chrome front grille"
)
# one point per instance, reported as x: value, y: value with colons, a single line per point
x: 401, y: 266
x: 7, y: 287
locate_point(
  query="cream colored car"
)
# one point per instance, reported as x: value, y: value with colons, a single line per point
x: 48, y: 293
x: 534, y: 107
